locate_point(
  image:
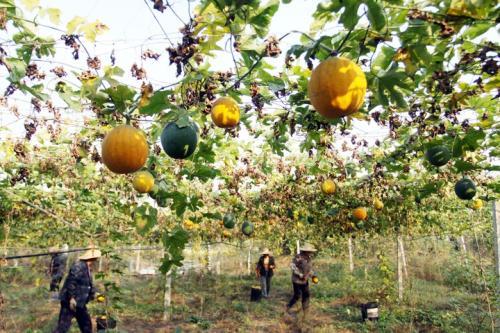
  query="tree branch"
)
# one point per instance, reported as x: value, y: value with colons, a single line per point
x: 336, y: 52
x: 46, y: 212
x: 363, y: 43
x: 256, y: 63
x: 159, y: 24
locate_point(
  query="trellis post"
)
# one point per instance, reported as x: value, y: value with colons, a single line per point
x: 351, y: 259
x: 496, y: 244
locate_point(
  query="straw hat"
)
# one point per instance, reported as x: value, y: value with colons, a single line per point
x: 265, y: 251
x: 91, y: 254
x: 307, y: 248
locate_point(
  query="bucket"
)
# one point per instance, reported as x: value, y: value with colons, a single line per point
x: 255, y: 294
x: 369, y: 311
x: 104, y: 323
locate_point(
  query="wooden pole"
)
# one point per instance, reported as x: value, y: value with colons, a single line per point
x: 400, y: 273
x: 217, y: 260
x: 464, y: 249
x: 496, y: 244
x: 298, y: 246
x: 209, y: 260
x: 3, y: 324
x: 167, y: 296
x: 138, y: 259
x: 403, y: 256
x: 249, y: 259
x: 351, y: 260
x: 100, y: 264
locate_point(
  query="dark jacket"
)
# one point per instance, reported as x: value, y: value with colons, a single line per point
x: 78, y: 284
x: 260, y: 266
x: 58, y: 265
x: 301, y: 268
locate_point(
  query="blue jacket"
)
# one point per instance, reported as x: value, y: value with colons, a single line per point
x: 78, y: 285
x: 58, y: 265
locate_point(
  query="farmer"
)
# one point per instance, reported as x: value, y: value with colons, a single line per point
x: 301, y: 272
x: 76, y: 292
x: 57, y: 267
x: 265, y: 269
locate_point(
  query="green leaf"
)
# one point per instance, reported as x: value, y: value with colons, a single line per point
x: 420, y: 54
x: 91, y: 30
x: 122, y: 96
x: 74, y: 24
x: 202, y: 172
x: 180, y: 201
x: 477, y: 9
x: 204, y: 152
x: 145, y: 218
x: 110, y: 72
x: 35, y: 90
x: 494, y: 186
x: 474, y: 138
x: 174, y: 243
x: 462, y: 166
x: 158, y: 102
x: 477, y: 29
x: 349, y: 17
x: 430, y: 188
x: 383, y: 59
x: 54, y: 14
x: 30, y: 4
x: 262, y: 19
x: 69, y: 96
x: 376, y: 15
x: 276, y: 84
x: 393, y: 82
x: 457, y: 149
x: 16, y: 67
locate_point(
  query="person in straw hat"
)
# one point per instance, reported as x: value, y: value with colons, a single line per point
x: 77, y: 291
x: 265, y: 270
x: 301, y: 272
x: 57, y: 267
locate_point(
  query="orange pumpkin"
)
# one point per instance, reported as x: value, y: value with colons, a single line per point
x: 337, y: 87
x: 124, y: 149
x: 360, y: 213
x: 225, y: 112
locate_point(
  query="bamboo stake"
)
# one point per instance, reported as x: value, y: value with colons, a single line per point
x: 217, y: 260
x: 249, y: 259
x: 403, y: 256
x: 464, y: 249
x: 400, y: 273
x: 351, y: 260
x: 167, y: 297
x: 138, y: 260
x: 209, y: 259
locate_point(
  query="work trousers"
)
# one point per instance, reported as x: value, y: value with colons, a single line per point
x: 298, y: 291
x: 55, y: 282
x: 66, y: 316
x: 265, y: 284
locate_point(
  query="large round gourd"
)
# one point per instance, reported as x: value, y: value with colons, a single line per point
x: 143, y: 181
x: 229, y: 221
x: 360, y: 213
x: 465, y: 189
x: 438, y: 155
x: 124, y: 149
x: 328, y: 186
x: 337, y: 87
x: 179, y: 142
x: 247, y: 228
x: 225, y: 112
